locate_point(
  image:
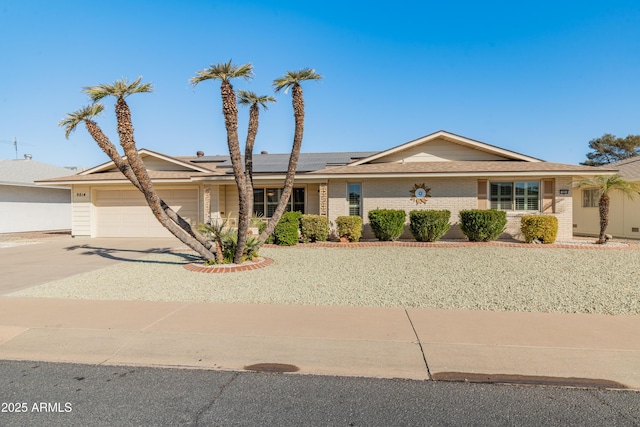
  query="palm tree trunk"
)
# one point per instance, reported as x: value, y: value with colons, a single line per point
x: 603, y: 207
x: 230, y: 112
x: 110, y: 150
x: 252, y: 131
x: 125, y: 131
x: 297, y: 100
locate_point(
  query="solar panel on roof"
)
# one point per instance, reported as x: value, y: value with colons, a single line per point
x: 279, y: 163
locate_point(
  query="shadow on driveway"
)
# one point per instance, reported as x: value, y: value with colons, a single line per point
x: 53, y: 259
x: 112, y: 254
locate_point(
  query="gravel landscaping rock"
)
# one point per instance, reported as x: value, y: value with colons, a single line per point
x: 477, y: 278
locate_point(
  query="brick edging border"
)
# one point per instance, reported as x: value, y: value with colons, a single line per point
x: 630, y: 246
x: 229, y: 268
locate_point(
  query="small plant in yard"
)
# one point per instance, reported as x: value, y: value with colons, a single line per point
x: 349, y: 227
x: 257, y: 220
x: 226, y: 241
x: 429, y: 225
x: 314, y: 228
x: 540, y: 228
x: 230, y: 242
x: 482, y: 225
x: 387, y: 224
x: 286, y: 232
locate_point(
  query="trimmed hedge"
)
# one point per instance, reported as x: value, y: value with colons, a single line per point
x: 482, y: 225
x: 429, y: 225
x: 286, y: 231
x: 387, y: 224
x: 541, y: 228
x: 349, y: 227
x: 314, y: 228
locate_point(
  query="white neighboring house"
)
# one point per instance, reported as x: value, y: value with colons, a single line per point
x: 25, y: 206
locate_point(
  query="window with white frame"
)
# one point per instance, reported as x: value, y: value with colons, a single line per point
x: 354, y: 198
x: 515, y: 196
x: 265, y: 201
x: 590, y: 198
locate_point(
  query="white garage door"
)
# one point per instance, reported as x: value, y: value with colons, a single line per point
x: 125, y: 213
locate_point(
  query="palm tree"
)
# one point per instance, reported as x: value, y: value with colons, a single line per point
x: 86, y: 114
x: 121, y: 89
x: 291, y: 80
x: 254, y: 102
x: 225, y: 71
x: 607, y: 184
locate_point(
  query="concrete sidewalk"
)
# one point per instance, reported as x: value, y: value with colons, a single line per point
x: 419, y: 344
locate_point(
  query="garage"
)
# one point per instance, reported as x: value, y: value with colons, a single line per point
x: 125, y: 213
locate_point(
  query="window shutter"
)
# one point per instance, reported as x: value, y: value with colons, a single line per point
x: 548, y: 196
x: 482, y: 194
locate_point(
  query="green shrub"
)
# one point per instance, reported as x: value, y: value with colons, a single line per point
x: 314, y: 228
x: 387, y: 224
x: 482, y: 225
x: 543, y: 228
x: 429, y: 225
x: 286, y: 231
x: 349, y: 227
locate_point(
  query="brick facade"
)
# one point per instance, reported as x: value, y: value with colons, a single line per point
x: 454, y: 194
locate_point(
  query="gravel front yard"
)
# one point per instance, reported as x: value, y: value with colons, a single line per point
x: 477, y: 278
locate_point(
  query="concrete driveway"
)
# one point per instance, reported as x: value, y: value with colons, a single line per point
x: 33, y: 264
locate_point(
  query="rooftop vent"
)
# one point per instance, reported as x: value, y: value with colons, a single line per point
x: 200, y: 154
x: 28, y: 157
x: 264, y: 152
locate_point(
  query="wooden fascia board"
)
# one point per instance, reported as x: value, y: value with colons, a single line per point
x: 460, y: 175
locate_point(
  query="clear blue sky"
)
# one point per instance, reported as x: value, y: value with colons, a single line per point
x: 538, y: 77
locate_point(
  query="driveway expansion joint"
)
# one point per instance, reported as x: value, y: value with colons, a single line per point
x: 424, y: 356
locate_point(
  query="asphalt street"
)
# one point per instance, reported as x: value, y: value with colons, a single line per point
x: 47, y: 394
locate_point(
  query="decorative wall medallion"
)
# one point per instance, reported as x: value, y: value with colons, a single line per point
x: 420, y: 193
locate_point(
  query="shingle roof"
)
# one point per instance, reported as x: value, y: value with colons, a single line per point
x: 25, y: 172
x: 278, y: 163
x: 629, y: 168
x: 458, y: 167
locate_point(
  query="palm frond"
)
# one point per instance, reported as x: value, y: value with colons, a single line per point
x: 246, y: 97
x: 223, y: 71
x: 119, y: 89
x: 71, y: 121
x: 609, y: 183
x: 292, y: 78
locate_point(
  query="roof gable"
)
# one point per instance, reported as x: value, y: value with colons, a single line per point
x: 153, y: 161
x: 443, y: 146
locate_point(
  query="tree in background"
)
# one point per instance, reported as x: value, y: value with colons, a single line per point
x: 607, y: 184
x: 608, y: 149
x: 132, y: 165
